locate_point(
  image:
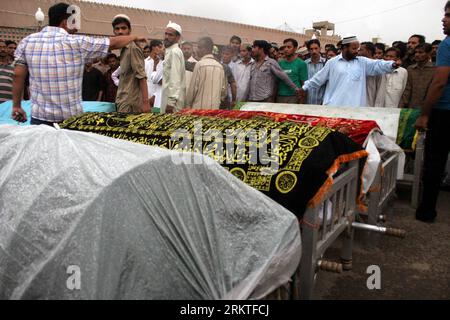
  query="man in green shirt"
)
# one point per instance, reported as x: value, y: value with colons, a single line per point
x: 296, y: 69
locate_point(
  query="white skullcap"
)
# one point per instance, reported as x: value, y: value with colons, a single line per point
x: 349, y: 39
x: 124, y: 16
x: 175, y: 26
x: 302, y: 50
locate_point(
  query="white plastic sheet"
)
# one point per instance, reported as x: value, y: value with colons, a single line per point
x: 130, y: 224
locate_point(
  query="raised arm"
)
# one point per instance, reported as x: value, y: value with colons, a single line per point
x: 378, y: 67
x: 319, y: 79
x: 280, y: 74
x: 20, y: 74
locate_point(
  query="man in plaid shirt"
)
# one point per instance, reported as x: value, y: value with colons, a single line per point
x: 55, y: 60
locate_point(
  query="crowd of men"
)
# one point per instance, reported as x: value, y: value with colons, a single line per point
x: 171, y: 75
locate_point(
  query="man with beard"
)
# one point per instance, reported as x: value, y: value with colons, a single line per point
x: 174, y: 72
x: 132, y: 94
x: 346, y: 75
x: 435, y: 118
x: 315, y: 64
x: 420, y: 76
x: 413, y: 42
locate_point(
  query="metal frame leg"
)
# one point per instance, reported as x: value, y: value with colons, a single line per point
x: 418, y: 167
x: 308, y: 262
x: 374, y: 199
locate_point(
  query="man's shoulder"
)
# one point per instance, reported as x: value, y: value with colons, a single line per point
x: 209, y: 61
x: 300, y: 62
x: 445, y: 43
x: 133, y: 46
x: 177, y: 51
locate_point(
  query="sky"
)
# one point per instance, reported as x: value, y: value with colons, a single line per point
x: 387, y: 19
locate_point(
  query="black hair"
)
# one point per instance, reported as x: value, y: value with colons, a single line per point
x: 402, y: 47
x: 227, y: 49
x: 329, y: 45
x: 207, y: 43
x: 397, y: 51
x: 57, y: 14
x: 420, y: 37
x: 334, y: 49
x: 236, y: 38
x: 311, y: 42
x: 293, y: 41
x: 8, y: 42
x: 187, y: 43
x: 425, y: 47
x: 263, y: 44
x: 111, y: 55
x: 120, y: 20
x: 370, y: 46
x: 436, y: 42
x: 155, y: 43
x: 380, y: 46
x: 447, y: 6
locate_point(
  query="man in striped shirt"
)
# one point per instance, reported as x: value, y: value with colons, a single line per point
x: 6, y: 74
x: 55, y: 60
x: 315, y: 64
x: 208, y: 86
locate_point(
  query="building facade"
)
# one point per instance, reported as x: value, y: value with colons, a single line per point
x: 17, y: 20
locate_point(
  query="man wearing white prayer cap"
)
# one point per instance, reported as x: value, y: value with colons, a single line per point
x: 132, y: 93
x: 346, y: 75
x: 174, y: 74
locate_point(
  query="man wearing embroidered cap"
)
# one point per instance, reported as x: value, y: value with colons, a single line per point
x: 174, y: 75
x: 346, y: 76
x: 132, y: 94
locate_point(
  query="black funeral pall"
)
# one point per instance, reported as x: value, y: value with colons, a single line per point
x: 291, y: 163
